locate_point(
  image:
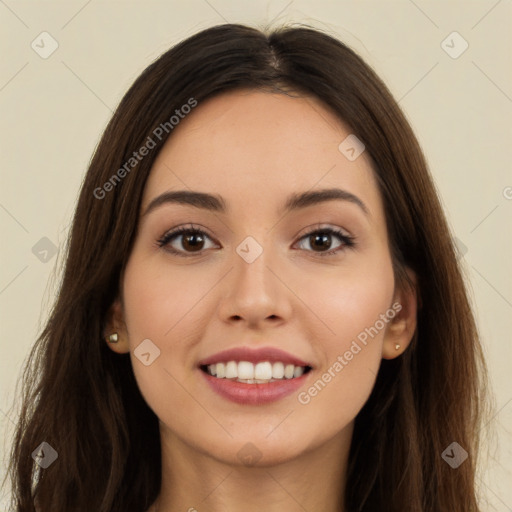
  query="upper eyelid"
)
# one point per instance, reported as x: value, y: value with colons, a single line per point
x: 323, y: 226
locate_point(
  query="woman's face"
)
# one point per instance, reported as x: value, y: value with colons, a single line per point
x: 254, y: 277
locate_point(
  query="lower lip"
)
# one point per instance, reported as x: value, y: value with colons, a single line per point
x: 254, y: 394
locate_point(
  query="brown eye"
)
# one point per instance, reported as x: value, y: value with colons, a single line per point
x: 192, y: 241
x: 320, y: 241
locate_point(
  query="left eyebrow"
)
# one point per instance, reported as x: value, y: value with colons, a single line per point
x: 305, y: 199
x: 216, y: 203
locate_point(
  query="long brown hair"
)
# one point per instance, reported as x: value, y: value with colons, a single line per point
x: 82, y: 398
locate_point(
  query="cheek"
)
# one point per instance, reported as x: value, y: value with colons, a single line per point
x: 355, y: 314
x: 158, y: 299
x: 171, y: 307
x: 348, y: 300
x: 356, y: 308
x: 158, y: 304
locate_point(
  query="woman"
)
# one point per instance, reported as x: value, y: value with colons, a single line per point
x: 261, y: 306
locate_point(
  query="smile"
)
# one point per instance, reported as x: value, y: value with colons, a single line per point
x: 254, y: 376
x: 260, y: 373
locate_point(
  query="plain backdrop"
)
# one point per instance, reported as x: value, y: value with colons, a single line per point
x: 54, y: 109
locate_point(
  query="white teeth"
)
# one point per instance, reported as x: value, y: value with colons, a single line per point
x: 288, y: 371
x: 220, y: 370
x: 278, y: 370
x: 261, y: 373
x: 231, y: 370
x: 255, y: 381
x: 245, y: 370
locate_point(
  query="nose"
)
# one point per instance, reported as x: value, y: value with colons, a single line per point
x: 255, y: 293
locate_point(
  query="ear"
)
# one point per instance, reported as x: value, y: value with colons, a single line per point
x: 115, y: 324
x: 402, y: 327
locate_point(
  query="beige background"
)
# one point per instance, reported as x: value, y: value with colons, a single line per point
x: 53, y: 111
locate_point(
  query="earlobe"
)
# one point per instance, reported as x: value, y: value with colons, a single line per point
x: 401, y: 329
x: 115, y: 334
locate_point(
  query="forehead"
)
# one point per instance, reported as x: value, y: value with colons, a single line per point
x: 249, y: 145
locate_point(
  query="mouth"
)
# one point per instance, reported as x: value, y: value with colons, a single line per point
x: 254, y: 391
x: 246, y: 372
x: 251, y: 376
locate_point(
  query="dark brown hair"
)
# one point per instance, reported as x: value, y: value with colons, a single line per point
x: 82, y: 398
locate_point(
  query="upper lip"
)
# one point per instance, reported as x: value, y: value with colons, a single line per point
x: 253, y: 355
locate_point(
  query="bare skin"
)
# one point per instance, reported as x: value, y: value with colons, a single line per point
x: 255, y: 149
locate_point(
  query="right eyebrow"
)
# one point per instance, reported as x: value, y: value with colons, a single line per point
x: 201, y: 200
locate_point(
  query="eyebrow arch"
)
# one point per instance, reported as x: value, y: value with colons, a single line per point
x: 297, y: 201
x: 216, y: 203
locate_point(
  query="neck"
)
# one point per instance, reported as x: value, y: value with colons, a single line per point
x: 193, y: 481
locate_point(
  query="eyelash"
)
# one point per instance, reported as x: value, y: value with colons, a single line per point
x: 348, y: 241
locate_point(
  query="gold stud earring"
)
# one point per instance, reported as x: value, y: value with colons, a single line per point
x: 397, y: 346
x: 113, y: 338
